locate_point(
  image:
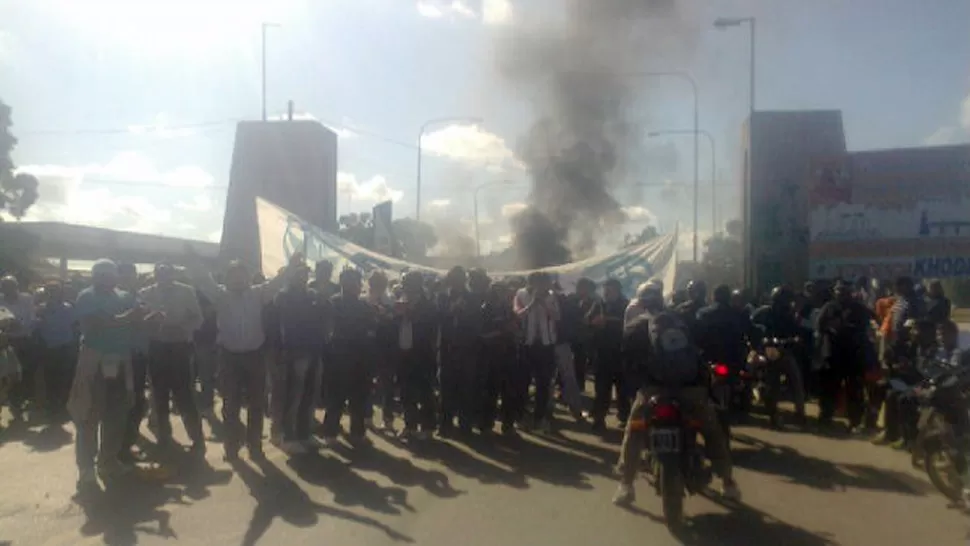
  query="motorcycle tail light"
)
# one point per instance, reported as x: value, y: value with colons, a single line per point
x: 666, y: 412
x: 721, y: 370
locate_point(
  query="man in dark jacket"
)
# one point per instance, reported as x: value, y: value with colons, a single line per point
x: 723, y: 332
x: 460, y: 323
x: 607, y: 318
x: 416, y: 321
x: 777, y: 320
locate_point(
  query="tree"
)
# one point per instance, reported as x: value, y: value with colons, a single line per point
x: 17, y: 191
x: 415, y: 238
x: 357, y: 228
x: 648, y: 234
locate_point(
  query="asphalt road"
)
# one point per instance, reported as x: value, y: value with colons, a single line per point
x: 799, y: 490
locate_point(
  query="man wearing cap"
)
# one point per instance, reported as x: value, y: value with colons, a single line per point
x: 102, y: 391
x: 170, y: 354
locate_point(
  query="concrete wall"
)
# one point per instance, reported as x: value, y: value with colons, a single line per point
x: 290, y: 163
x: 779, y: 153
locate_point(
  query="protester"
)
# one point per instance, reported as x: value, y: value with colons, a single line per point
x: 55, y: 325
x: 21, y: 306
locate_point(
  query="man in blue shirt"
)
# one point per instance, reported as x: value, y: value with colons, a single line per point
x: 102, y: 392
x: 56, y: 327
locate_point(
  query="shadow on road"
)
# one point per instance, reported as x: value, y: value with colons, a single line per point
x: 278, y: 496
x: 403, y: 472
x: 49, y: 438
x: 134, y: 504
x: 349, y: 488
x: 745, y: 526
x: 468, y: 463
x: 789, y: 463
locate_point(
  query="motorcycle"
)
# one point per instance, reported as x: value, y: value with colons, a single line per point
x: 730, y: 392
x: 942, y: 438
x: 676, y: 461
x: 774, y: 350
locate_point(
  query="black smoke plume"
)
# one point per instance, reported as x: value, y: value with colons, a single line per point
x: 584, y: 141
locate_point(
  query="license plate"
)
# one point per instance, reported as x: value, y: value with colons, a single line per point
x: 665, y: 440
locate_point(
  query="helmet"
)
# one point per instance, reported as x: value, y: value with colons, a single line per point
x: 782, y: 295
x: 696, y: 290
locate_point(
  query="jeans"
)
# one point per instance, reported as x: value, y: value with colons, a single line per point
x: 787, y: 366
x: 294, y: 392
x: 695, y: 401
x: 540, y: 360
x: 348, y: 383
x: 565, y: 365
x: 170, y: 369
x: 610, y: 374
x: 458, y: 379
x: 59, y: 364
x: 89, y: 445
x: 416, y: 379
x: 243, y: 377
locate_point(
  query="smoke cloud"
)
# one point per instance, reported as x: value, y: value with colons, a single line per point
x: 584, y: 142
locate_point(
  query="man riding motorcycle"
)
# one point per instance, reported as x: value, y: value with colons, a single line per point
x: 694, y: 393
x: 723, y: 332
x: 696, y: 300
x: 777, y: 320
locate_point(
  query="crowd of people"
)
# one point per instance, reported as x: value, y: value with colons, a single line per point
x: 418, y: 356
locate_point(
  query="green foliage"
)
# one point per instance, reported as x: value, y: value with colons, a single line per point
x: 18, y: 192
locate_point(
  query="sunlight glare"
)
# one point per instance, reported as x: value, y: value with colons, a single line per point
x: 160, y: 27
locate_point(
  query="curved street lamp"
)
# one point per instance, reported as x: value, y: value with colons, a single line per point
x: 424, y: 129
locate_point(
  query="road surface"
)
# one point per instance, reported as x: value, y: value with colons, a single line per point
x: 799, y: 490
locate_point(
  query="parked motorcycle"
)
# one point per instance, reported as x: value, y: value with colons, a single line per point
x: 731, y: 393
x: 676, y: 461
x: 942, y: 444
x: 773, y: 350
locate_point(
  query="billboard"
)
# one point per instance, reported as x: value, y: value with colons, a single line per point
x: 889, y: 213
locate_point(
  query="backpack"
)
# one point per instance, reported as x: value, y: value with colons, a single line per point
x: 675, y: 359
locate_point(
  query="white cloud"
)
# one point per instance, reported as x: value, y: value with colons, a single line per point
x: 471, y: 143
x: 440, y: 203
x: 640, y: 215
x: 199, y: 203
x: 944, y: 136
x: 71, y: 193
x: 215, y: 236
x: 511, y: 209
x: 343, y: 132
x: 496, y: 12
x: 427, y: 9
x: 7, y: 46
x: 375, y: 189
x: 461, y: 9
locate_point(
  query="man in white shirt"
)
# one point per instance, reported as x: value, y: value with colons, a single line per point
x: 21, y: 306
x: 536, y: 307
x: 170, y: 354
x: 239, y: 316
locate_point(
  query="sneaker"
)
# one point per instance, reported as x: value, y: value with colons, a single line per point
x: 388, y: 426
x: 625, y: 495
x: 509, y: 431
x: 730, y: 490
x: 293, y: 448
x: 231, y: 455
x: 87, y: 478
x: 257, y: 454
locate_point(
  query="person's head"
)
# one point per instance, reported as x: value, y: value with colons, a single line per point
x: 9, y: 286
x: 297, y: 277
x: 538, y: 281
x: 585, y: 288
x: 782, y: 297
x: 924, y: 333
x: 904, y: 286
x: 738, y: 300
x: 612, y: 290
x: 809, y: 290
x: 651, y: 295
x: 350, y: 283
x: 478, y: 281
x: 323, y: 271
x: 104, y: 275
x: 697, y: 291
x: 164, y: 274
x: 237, y: 277
x: 127, y: 276
x: 456, y: 279
x: 54, y: 292
x: 843, y: 291
x: 949, y: 335
x: 722, y: 294
x: 412, y: 284
x: 935, y: 290
x: 377, y: 283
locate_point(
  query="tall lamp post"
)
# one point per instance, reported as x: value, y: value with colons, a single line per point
x: 710, y: 138
x: 693, y: 84
x: 264, y: 27
x: 722, y: 23
x: 424, y: 129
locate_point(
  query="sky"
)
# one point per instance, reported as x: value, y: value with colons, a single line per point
x: 125, y: 109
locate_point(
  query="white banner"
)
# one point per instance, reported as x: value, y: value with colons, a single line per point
x: 282, y: 233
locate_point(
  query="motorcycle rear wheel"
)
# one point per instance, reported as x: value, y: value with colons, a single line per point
x: 672, y: 495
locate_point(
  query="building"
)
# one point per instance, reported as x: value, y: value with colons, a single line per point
x: 290, y: 163
x: 779, y: 152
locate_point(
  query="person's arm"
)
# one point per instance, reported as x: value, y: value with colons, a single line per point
x: 203, y: 281
x: 519, y: 306
x: 93, y: 319
x: 193, y: 318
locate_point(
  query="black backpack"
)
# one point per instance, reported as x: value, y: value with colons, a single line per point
x: 674, y: 359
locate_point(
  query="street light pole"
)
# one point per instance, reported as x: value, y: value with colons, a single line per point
x: 263, y: 69
x: 424, y: 128
x: 722, y: 23
x: 710, y: 138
